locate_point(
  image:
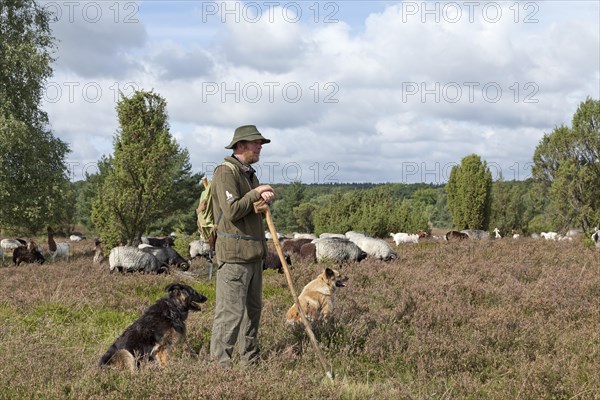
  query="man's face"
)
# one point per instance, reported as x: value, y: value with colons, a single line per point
x: 250, y: 151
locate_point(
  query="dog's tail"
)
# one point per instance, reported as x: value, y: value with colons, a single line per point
x: 106, y: 358
x: 119, y: 358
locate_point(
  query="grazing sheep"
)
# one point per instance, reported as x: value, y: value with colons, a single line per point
x: 402, y: 237
x: 497, y: 232
x: 132, y: 259
x: 61, y: 250
x: 332, y: 235
x: 535, y: 236
x: 549, y: 235
x: 98, y: 252
x: 292, y: 246
x: 168, y: 256
x: 268, y: 235
x: 27, y: 254
x: 354, y: 234
x: 596, y: 238
x: 11, y: 244
x: 76, y: 238
x: 308, y: 252
x: 297, y: 235
x: 450, y: 235
x: 336, y: 249
x: 168, y: 241
x: 376, y: 248
x: 200, y: 248
x: 273, y: 261
x: 476, y: 234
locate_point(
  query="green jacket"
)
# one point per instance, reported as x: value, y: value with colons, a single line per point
x: 240, y: 231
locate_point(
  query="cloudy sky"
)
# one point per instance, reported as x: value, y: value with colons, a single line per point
x: 347, y: 91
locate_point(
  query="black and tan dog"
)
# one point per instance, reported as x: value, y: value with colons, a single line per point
x: 318, y: 296
x: 154, y: 335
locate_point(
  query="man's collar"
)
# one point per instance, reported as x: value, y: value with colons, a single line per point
x: 244, y: 167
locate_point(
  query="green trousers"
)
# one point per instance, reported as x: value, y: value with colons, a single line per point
x: 237, y: 313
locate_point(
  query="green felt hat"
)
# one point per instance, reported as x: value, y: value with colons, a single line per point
x: 246, y: 132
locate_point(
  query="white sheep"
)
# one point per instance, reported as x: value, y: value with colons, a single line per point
x: 376, y: 248
x: 354, y: 234
x: 402, y: 237
x: 596, y: 238
x: 132, y: 259
x: 11, y: 244
x: 303, y: 236
x: 497, y: 232
x: 63, y: 250
x: 76, y: 238
x: 8, y: 245
x: 549, y: 235
x: 268, y: 235
x: 332, y: 235
x: 337, y: 249
x: 200, y: 248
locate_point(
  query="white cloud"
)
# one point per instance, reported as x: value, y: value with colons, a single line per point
x: 97, y: 39
x: 342, y: 101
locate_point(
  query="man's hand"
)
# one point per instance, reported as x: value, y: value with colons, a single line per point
x: 260, y: 206
x: 266, y: 193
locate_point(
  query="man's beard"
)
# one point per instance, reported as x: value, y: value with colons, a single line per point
x: 250, y: 157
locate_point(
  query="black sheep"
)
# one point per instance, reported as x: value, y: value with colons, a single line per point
x: 23, y: 254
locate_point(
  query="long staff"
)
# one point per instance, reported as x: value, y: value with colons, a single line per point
x: 307, y: 327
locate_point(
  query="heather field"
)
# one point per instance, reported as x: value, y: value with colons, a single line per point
x: 498, y: 319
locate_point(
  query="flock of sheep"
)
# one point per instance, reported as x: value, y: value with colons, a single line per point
x: 30, y: 252
x: 355, y: 246
x: 157, y: 255
x: 154, y: 255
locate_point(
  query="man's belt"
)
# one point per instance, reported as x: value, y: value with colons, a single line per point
x: 242, y: 237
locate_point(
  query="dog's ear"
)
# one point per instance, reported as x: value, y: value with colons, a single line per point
x: 173, y: 286
x: 329, y: 274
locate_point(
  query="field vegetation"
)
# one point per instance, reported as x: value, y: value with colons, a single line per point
x: 498, y: 319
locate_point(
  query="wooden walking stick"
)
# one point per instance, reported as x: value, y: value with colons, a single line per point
x: 267, y: 211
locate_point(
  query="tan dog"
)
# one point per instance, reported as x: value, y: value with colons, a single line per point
x: 317, y: 297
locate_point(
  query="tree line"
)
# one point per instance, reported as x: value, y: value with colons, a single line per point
x: 146, y: 186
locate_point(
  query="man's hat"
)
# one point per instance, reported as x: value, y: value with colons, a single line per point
x: 246, y: 132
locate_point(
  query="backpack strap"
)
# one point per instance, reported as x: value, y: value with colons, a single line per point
x: 236, y: 172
